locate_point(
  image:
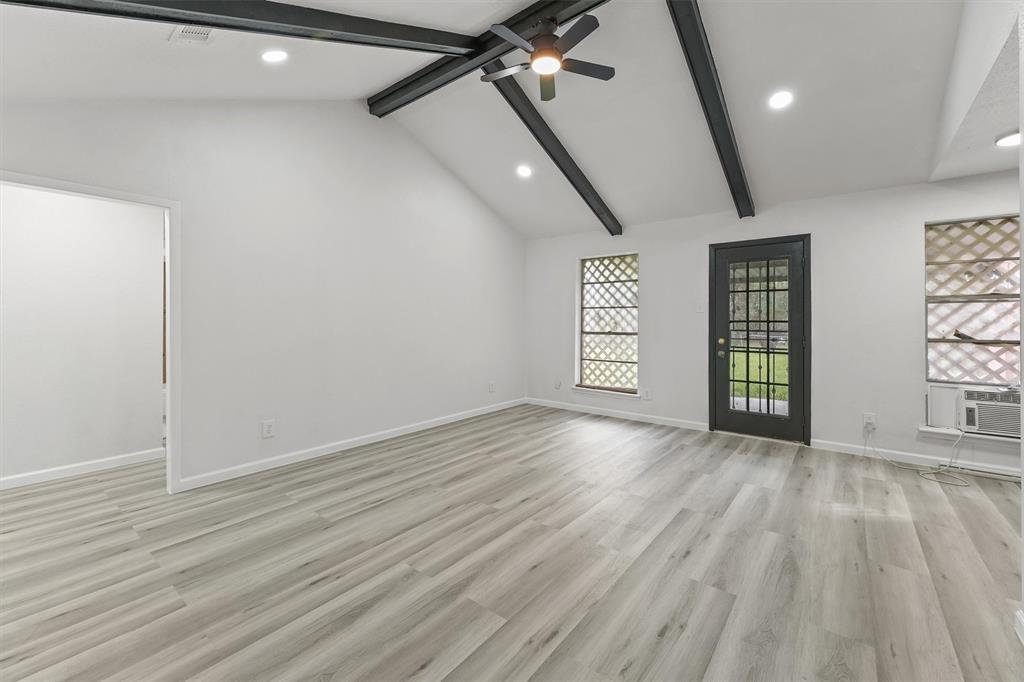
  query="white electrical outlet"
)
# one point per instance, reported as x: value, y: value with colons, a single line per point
x: 491, y: 387
x: 558, y: 384
x: 646, y: 394
x: 268, y: 428
x: 870, y: 421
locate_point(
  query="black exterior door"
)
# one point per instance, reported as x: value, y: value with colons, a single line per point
x: 760, y: 346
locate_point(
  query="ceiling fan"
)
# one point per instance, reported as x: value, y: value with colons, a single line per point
x: 547, y: 52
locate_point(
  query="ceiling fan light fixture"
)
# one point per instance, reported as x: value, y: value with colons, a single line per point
x: 546, y: 64
x: 547, y: 51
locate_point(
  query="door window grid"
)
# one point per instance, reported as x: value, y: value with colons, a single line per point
x: 759, y: 336
x: 609, y: 323
x: 972, y: 284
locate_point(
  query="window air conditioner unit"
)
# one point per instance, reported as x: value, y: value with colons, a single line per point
x: 995, y: 412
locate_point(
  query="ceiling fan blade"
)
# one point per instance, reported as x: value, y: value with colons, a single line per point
x: 510, y: 71
x: 586, y: 25
x: 591, y: 69
x: 547, y: 87
x: 510, y: 36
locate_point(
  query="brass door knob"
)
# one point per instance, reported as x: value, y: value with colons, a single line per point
x: 721, y: 353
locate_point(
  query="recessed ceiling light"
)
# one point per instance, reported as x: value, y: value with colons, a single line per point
x: 1011, y: 140
x: 524, y: 171
x: 274, y: 56
x: 781, y: 99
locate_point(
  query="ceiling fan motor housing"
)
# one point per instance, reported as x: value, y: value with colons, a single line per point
x: 544, y: 48
x: 547, y: 50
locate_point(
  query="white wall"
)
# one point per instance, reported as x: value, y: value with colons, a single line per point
x: 337, y: 278
x: 867, y: 310
x: 81, y: 299
x: 334, y: 276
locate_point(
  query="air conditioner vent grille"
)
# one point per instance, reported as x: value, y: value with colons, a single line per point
x: 1001, y: 419
x: 1010, y: 397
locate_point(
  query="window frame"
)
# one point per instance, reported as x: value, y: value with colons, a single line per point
x: 930, y: 299
x: 579, y: 358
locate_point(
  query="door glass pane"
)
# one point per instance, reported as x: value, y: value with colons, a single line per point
x: 758, y: 352
x: 738, y: 335
x: 780, y: 306
x: 779, y: 274
x: 758, y: 277
x: 737, y: 305
x: 738, y: 276
x: 757, y: 302
x: 738, y: 396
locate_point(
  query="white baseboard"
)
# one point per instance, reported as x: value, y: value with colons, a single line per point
x: 1018, y: 624
x: 914, y: 457
x: 190, y: 482
x: 835, y: 446
x: 43, y: 475
x: 634, y: 416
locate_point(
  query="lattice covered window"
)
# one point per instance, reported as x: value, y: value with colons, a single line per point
x: 609, y: 322
x: 973, y: 300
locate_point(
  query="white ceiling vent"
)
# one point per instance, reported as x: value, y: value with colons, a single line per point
x: 196, y: 35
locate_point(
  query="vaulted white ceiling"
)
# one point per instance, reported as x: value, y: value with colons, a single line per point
x: 50, y: 54
x: 869, y: 80
x: 992, y: 114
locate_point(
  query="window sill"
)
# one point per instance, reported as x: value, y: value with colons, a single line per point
x: 601, y: 391
x: 953, y: 434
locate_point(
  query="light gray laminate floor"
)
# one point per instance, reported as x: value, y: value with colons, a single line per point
x: 528, y: 544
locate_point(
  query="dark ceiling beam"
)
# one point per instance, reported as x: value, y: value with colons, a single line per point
x: 694, y: 41
x: 273, y: 18
x: 449, y: 69
x: 528, y: 114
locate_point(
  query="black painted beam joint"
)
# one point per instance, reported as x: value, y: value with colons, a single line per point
x: 449, y: 69
x: 694, y: 41
x: 535, y: 123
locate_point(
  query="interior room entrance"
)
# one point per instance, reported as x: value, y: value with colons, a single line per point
x: 83, y: 333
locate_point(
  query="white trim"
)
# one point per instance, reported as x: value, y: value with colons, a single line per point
x: 914, y: 458
x: 633, y: 416
x: 172, y: 244
x: 578, y: 314
x: 93, y: 465
x: 189, y: 482
x: 835, y: 446
x: 947, y: 433
x: 607, y: 392
x: 1018, y: 624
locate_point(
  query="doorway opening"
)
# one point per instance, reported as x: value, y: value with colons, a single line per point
x: 92, y: 327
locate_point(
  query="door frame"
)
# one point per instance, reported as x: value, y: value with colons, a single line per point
x: 805, y: 240
x: 172, y: 297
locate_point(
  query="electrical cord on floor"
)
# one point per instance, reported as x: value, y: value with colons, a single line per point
x: 926, y: 474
